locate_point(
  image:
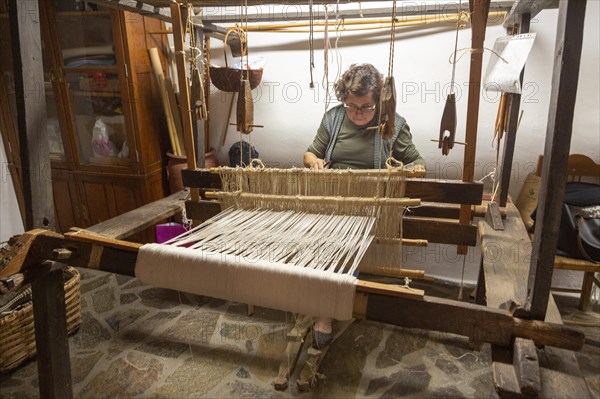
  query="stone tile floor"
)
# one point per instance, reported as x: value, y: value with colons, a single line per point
x: 139, y: 341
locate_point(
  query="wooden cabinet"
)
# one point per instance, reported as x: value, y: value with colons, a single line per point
x: 106, y: 131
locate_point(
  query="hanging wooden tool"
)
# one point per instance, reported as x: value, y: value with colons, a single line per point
x: 448, y: 124
x: 245, y: 105
x: 387, y: 107
x: 197, y: 95
x: 387, y: 98
x: 245, y: 108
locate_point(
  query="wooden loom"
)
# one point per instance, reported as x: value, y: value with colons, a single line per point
x: 90, y: 250
x: 100, y: 248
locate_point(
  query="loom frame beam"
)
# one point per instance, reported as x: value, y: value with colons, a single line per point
x: 436, y: 221
x: 428, y: 190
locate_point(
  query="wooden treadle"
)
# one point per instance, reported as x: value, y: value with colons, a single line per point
x: 296, y: 338
x: 310, y: 372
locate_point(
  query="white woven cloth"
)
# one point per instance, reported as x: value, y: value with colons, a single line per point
x: 258, y: 282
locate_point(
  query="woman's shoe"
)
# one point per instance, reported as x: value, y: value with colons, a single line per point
x: 321, y: 339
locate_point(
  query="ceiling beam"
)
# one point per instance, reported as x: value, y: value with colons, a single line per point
x: 227, y: 11
x: 139, y: 7
x: 531, y: 7
x: 292, y: 13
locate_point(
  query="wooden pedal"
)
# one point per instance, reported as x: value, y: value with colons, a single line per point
x: 310, y: 372
x: 296, y: 337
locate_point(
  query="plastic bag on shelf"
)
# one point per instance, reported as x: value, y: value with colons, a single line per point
x: 101, y: 144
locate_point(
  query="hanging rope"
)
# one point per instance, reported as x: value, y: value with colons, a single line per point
x: 448, y: 123
x: 245, y: 105
x: 339, y: 26
x: 311, y: 47
x: 243, y: 33
x: 387, y: 100
x: 326, y: 49
x: 469, y: 50
x: 458, y: 26
x: 197, y: 92
x: 392, y: 41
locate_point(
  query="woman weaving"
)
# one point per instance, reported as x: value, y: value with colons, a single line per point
x: 348, y: 138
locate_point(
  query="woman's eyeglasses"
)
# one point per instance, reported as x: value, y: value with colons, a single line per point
x: 365, y: 109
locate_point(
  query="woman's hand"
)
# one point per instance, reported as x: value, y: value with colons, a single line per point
x: 318, y: 164
x: 313, y: 162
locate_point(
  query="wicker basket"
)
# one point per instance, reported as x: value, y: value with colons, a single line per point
x: 17, y: 332
x: 228, y: 79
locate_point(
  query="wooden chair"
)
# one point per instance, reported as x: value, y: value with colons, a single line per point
x: 580, y: 167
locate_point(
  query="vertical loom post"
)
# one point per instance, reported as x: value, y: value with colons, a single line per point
x: 54, y: 366
x: 198, y: 83
x: 511, y: 131
x: 30, y: 98
x: 479, y: 9
x: 565, y: 76
x: 206, y: 51
x: 184, y: 89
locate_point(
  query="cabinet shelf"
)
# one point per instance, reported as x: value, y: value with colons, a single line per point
x: 109, y: 161
x: 92, y: 69
x: 49, y: 92
x: 83, y: 13
x: 87, y: 93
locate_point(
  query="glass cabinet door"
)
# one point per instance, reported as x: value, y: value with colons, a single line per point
x: 92, y: 79
x: 98, y: 116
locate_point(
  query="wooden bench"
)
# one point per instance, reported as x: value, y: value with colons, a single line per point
x: 579, y: 168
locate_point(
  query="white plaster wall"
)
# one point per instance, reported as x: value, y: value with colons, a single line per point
x: 290, y: 111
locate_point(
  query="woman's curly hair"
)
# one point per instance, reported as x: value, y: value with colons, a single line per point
x: 359, y: 80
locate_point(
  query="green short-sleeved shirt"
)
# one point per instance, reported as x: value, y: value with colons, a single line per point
x: 354, y: 146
